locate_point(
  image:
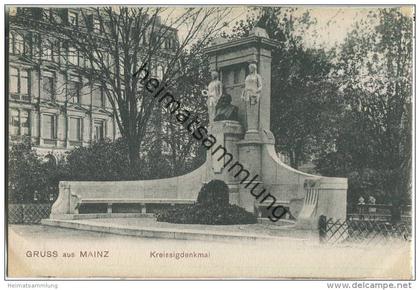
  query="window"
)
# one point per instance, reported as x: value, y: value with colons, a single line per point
x: 87, y: 63
x: 107, y: 59
x: 12, y: 42
x: 37, y: 13
x: 96, y: 59
x: 159, y: 72
x: 24, y: 122
x: 18, y: 122
x: 96, y: 25
x: 14, y: 81
x: 98, y: 133
x: 19, y: 45
x: 19, y: 83
x: 75, y: 131
x: 24, y: 83
x: 72, y: 18
x: 37, y: 49
x: 48, y: 127
x: 74, y: 91
x: 14, y: 123
x: 169, y: 43
x: 154, y: 40
x: 48, y: 14
x: 98, y: 97
x: 56, y: 52
x: 48, y: 51
x: 121, y: 67
x: 73, y: 59
x: 48, y: 86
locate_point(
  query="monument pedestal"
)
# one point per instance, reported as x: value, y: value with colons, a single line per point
x: 224, y: 154
x: 250, y: 159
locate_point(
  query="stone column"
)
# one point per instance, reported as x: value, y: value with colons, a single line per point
x: 264, y: 70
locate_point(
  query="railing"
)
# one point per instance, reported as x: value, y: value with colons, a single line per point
x: 377, y: 212
x: 362, y: 231
x: 27, y: 213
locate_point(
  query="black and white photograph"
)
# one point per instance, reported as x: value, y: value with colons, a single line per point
x: 213, y: 142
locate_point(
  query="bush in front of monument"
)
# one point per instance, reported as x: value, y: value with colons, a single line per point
x: 212, y: 208
x: 216, y: 193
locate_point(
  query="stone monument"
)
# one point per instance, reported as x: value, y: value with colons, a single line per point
x: 240, y: 121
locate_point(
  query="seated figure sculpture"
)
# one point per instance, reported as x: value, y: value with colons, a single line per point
x: 225, y: 110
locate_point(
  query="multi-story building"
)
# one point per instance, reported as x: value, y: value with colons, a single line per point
x: 49, y: 101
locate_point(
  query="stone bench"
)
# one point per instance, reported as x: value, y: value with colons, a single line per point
x: 141, y: 201
x: 74, y: 195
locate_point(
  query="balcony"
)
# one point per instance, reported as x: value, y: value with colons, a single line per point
x: 19, y: 97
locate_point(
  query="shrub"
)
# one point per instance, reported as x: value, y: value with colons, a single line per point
x: 30, y: 178
x: 103, y: 160
x: 212, y: 208
x: 216, y: 192
x: 206, y: 215
x: 108, y: 160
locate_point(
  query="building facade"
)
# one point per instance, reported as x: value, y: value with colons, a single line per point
x: 50, y: 103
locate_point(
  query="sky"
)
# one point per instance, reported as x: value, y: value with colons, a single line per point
x: 332, y: 22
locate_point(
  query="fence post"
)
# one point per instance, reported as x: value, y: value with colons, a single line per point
x: 322, y: 228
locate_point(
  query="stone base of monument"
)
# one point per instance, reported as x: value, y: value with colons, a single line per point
x: 306, y: 196
x: 149, y: 228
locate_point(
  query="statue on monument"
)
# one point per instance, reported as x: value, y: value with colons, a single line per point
x: 251, y: 96
x: 225, y: 110
x: 214, y: 92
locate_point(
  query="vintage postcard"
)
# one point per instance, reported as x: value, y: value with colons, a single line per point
x: 210, y: 142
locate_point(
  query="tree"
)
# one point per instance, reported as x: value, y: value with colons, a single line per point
x: 374, y: 71
x: 304, y: 99
x: 172, y: 151
x: 185, y: 153
x: 116, y: 42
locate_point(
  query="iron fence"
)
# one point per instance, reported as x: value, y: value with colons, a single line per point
x: 28, y: 213
x: 377, y: 212
x: 362, y: 231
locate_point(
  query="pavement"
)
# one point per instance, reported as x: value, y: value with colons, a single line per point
x: 134, y: 257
